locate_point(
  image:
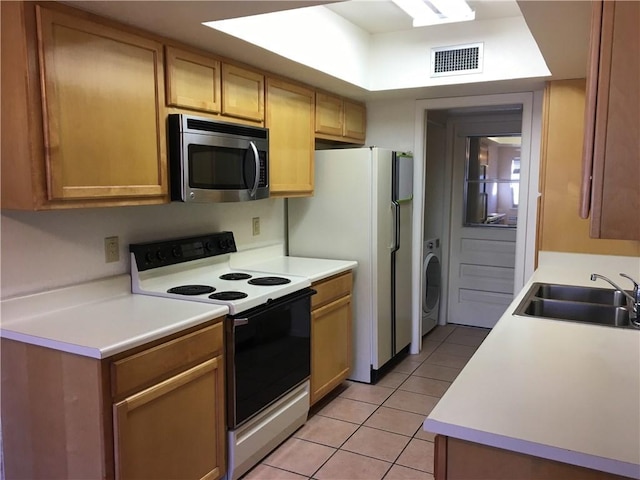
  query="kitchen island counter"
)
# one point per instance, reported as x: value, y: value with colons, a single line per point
x: 99, y: 319
x: 560, y: 390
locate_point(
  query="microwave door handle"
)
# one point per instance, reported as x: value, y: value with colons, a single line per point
x: 256, y: 157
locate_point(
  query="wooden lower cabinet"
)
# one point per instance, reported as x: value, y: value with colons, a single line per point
x: 156, y: 411
x: 330, y: 334
x: 462, y: 460
x: 169, y: 430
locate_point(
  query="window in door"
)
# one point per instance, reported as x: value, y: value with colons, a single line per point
x: 492, y: 181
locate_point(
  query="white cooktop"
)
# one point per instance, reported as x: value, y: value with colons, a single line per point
x: 207, y: 272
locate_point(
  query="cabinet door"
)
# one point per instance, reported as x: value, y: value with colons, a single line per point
x: 612, y: 126
x: 329, y: 114
x: 291, y: 139
x: 103, y: 93
x: 355, y: 120
x: 242, y: 93
x: 174, y: 429
x: 193, y: 81
x: 330, y: 346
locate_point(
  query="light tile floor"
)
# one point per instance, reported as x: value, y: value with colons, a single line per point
x: 374, y: 432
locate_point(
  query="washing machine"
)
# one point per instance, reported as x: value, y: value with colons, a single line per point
x: 431, y: 284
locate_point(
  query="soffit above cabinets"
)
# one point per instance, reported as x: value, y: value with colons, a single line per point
x: 380, y: 20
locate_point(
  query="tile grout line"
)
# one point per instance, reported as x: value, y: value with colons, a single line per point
x: 347, y: 439
x: 362, y: 424
x: 393, y: 390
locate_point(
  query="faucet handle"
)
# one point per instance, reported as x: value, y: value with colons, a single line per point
x: 636, y: 289
x: 635, y: 284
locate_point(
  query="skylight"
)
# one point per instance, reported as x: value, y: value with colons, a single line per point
x: 348, y: 42
x: 435, y: 12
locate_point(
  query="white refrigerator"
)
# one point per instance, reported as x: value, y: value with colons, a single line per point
x: 361, y: 210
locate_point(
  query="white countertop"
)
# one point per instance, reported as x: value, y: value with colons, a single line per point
x: 99, y: 319
x: 102, y: 318
x: 560, y: 390
x: 314, y: 269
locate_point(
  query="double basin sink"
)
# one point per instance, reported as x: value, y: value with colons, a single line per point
x: 574, y: 303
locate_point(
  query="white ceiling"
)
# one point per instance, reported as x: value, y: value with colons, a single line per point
x: 559, y: 27
x: 382, y: 16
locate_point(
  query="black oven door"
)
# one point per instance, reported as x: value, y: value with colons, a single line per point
x: 268, y: 354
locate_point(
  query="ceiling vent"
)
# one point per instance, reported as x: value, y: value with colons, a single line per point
x: 457, y: 60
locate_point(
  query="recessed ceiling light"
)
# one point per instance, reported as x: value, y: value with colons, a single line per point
x: 435, y: 12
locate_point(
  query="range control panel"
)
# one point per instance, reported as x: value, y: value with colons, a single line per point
x: 169, y: 252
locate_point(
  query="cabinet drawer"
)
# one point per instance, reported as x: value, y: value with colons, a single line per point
x: 149, y: 366
x: 331, y: 289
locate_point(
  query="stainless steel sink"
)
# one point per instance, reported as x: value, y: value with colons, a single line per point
x: 572, y: 293
x: 578, y: 304
x: 578, y: 312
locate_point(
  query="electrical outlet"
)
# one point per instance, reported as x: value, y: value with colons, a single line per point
x: 256, y: 226
x: 111, y: 249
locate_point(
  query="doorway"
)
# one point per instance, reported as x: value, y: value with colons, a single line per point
x: 483, y: 216
x: 432, y: 117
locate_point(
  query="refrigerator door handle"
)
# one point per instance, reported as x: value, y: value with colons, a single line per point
x: 395, y: 227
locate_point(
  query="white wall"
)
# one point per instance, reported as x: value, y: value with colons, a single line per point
x: 320, y: 39
x: 43, y: 250
x: 312, y: 36
x: 403, y: 59
x: 390, y: 124
x: 435, y: 178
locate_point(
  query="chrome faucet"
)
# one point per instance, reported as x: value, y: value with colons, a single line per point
x: 634, y: 299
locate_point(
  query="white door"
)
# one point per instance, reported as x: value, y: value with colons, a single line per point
x: 483, y: 220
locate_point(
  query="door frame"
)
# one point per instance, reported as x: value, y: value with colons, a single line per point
x: 529, y: 192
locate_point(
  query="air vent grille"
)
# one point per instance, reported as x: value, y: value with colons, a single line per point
x: 456, y: 60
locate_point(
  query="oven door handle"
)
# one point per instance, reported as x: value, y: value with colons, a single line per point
x: 273, y: 304
x: 238, y: 322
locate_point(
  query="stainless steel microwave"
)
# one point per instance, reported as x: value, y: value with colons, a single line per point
x: 213, y: 161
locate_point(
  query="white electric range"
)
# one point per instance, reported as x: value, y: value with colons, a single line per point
x: 267, y: 335
x: 197, y: 269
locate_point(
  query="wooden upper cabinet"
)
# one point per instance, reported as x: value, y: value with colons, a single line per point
x: 329, y: 114
x: 242, y: 93
x: 611, y: 167
x: 193, y: 81
x: 291, y: 139
x: 355, y: 120
x: 103, y: 94
x: 340, y: 119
